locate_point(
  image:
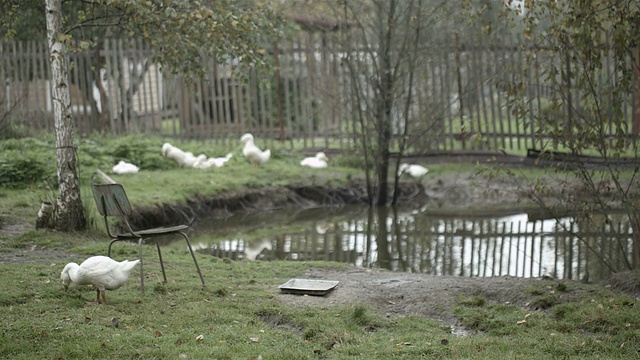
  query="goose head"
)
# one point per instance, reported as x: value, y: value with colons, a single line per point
x: 66, y: 275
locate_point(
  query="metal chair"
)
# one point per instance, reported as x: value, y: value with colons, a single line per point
x: 112, y: 200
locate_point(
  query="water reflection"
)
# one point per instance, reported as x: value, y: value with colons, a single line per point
x: 412, y: 241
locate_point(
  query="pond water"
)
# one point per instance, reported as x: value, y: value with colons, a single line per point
x: 414, y: 241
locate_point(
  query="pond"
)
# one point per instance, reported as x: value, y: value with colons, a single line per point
x: 408, y: 240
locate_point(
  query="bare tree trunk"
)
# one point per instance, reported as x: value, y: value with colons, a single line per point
x: 635, y: 251
x: 386, y: 102
x: 70, y: 214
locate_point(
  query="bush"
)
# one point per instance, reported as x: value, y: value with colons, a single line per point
x: 18, y: 171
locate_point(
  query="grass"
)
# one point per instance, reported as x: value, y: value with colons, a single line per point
x: 238, y: 316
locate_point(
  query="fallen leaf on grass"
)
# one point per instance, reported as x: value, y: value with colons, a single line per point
x: 200, y: 337
x: 158, y: 333
x: 520, y: 322
x: 254, y: 339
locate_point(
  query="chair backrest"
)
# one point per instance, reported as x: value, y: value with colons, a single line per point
x: 111, y: 200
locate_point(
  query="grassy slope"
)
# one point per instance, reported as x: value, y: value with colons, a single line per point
x: 238, y: 313
x: 238, y: 316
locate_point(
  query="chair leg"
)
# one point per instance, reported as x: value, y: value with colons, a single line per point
x: 111, y: 243
x: 164, y: 275
x: 141, y: 262
x: 193, y: 255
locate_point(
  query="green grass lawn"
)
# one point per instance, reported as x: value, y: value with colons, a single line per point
x: 238, y: 314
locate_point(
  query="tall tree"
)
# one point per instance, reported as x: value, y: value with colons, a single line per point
x: 185, y: 35
x: 587, y: 52
x: 69, y: 209
x: 384, y: 44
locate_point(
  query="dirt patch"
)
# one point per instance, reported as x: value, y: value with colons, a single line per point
x: 35, y: 254
x: 399, y: 294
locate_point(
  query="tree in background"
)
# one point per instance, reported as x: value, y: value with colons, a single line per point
x: 185, y: 36
x: 589, y: 52
x: 383, y: 44
x: 69, y: 207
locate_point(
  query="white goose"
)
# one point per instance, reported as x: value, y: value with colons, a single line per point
x: 100, y: 271
x: 174, y: 153
x: 317, y: 162
x: 217, y: 162
x: 415, y: 171
x: 192, y: 161
x: 123, y: 167
x: 256, y: 156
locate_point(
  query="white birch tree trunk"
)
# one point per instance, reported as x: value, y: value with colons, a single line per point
x: 70, y: 214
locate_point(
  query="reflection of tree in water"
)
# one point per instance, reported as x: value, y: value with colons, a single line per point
x: 378, y: 215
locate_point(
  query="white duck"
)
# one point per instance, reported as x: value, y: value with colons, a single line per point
x: 256, y: 156
x: 217, y: 162
x: 192, y: 161
x: 318, y: 162
x: 174, y: 153
x: 415, y: 171
x: 123, y: 167
x: 100, y: 271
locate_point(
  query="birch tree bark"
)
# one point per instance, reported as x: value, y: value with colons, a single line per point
x: 70, y: 214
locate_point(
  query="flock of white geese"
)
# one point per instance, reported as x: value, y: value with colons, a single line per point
x: 256, y: 156
x: 250, y: 151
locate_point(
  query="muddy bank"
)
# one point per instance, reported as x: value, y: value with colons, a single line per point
x: 458, y: 192
x: 250, y: 201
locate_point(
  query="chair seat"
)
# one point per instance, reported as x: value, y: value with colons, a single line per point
x: 155, y: 232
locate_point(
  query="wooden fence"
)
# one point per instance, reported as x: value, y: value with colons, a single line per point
x: 116, y: 88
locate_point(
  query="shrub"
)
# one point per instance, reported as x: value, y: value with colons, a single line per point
x: 18, y: 171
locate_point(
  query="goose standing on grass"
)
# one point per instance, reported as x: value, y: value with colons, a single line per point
x: 256, y: 156
x: 100, y: 271
x: 123, y: 167
x: 317, y: 162
x: 415, y: 171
